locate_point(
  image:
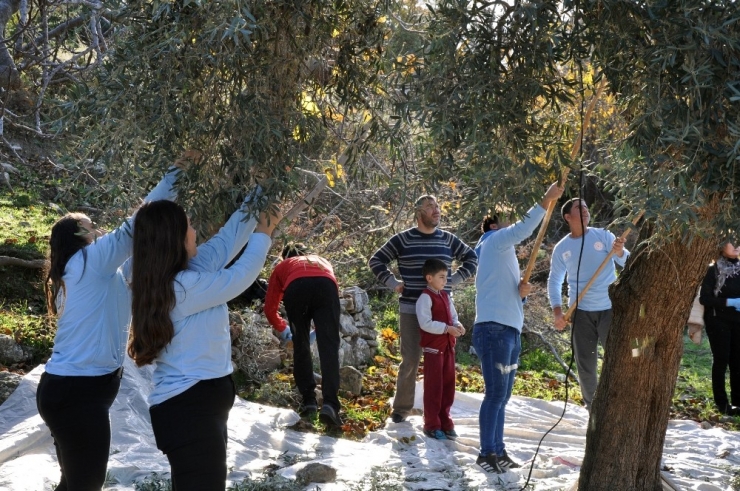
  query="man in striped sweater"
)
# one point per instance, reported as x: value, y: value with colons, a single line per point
x: 410, y: 249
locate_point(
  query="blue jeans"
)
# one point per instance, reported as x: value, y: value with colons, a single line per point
x: 498, y: 347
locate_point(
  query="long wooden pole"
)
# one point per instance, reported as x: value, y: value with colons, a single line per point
x: 598, y: 270
x: 574, y: 151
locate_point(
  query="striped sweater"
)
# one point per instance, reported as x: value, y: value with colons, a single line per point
x: 409, y: 249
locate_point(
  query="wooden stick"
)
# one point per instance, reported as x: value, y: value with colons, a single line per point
x: 598, y: 270
x: 548, y: 213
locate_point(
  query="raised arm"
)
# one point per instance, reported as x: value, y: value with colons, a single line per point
x: 107, y: 253
x: 205, y: 290
x: 220, y: 249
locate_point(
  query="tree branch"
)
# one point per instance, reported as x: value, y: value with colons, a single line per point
x: 26, y: 263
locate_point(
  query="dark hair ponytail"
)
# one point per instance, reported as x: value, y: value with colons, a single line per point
x: 160, y: 229
x: 64, y: 243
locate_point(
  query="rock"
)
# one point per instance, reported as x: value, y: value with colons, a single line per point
x: 367, y: 317
x: 10, y: 351
x: 315, y: 472
x: 359, y: 299
x: 373, y: 343
x: 346, y: 304
x: 350, y: 379
x: 367, y: 333
x: 8, y: 383
x: 357, y: 353
x: 706, y: 425
x: 347, y: 326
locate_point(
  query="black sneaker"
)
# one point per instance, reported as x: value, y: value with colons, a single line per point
x: 397, y: 418
x: 308, y: 409
x: 729, y: 410
x: 329, y: 416
x: 506, y: 463
x: 490, y: 464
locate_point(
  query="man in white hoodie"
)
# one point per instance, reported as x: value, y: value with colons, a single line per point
x: 499, y: 317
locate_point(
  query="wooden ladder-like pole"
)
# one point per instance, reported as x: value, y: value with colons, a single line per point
x: 548, y: 213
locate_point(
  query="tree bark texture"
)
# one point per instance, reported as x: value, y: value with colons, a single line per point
x: 651, y: 302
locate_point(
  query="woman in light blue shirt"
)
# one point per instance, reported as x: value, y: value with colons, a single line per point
x: 86, y: 290
x: 180, y: 323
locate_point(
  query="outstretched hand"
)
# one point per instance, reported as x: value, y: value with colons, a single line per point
x: 189, y: 157
x: 268, y: 220
x: 554, y: 192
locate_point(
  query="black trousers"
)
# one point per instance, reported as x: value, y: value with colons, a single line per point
x: 76, y: 411
x: 191, y: 430
x: 317, y: 299
x: 724, y: 340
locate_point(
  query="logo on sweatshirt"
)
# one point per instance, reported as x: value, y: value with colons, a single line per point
x: 566, y: 255
x: 599, y: 246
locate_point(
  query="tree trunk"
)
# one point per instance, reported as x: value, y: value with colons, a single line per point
x: 651, y: 302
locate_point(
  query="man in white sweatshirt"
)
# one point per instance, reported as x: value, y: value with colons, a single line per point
x: 578, y: 255
x: 499, y: 317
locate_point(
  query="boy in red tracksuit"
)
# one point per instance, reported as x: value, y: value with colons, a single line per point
x: 439, y: 330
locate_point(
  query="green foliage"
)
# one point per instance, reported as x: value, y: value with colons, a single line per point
x: 539, y: 359
x: 677, y: 65
x: 481, y: 86
x: 32, y: 330
x: 257, y: 86
x: 385, y: 308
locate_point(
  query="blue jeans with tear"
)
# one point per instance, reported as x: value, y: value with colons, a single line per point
x: 498, y: 347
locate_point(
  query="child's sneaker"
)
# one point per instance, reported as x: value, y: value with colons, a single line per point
x: 451, y: 434
x: 506, y: 463
x: 490, y: 464
x: 436, y: 434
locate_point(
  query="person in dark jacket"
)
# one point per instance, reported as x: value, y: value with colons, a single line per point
x: 720, y: 295
x: 440, y: 329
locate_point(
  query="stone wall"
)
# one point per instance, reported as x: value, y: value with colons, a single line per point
x: 256, y: 351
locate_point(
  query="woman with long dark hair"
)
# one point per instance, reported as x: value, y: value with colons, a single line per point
x: 180, y: 323
x: 85, y: 289
x: 720, y: 295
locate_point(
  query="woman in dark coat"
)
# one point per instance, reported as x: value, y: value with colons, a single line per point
x: 720, y: 295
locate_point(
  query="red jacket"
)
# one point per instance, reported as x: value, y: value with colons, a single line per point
x: 440, y: 312
x: 284, y: 273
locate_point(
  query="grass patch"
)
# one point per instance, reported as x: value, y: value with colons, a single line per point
x: 24, y: 233
x: 33, y: 330
x: 692, y: 398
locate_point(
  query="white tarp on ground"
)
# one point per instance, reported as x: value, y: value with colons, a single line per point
x: 699, y: 459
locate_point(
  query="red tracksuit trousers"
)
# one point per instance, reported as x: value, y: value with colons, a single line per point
x: 439, y: 388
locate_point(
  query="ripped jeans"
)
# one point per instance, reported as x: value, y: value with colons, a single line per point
x: 498, y: 348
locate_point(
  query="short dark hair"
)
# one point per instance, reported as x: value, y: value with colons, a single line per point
x: 294, y: 249
x: 488, y: 220
x: 565, y: 210
x: 421, y: 201
x: 433, y: 266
